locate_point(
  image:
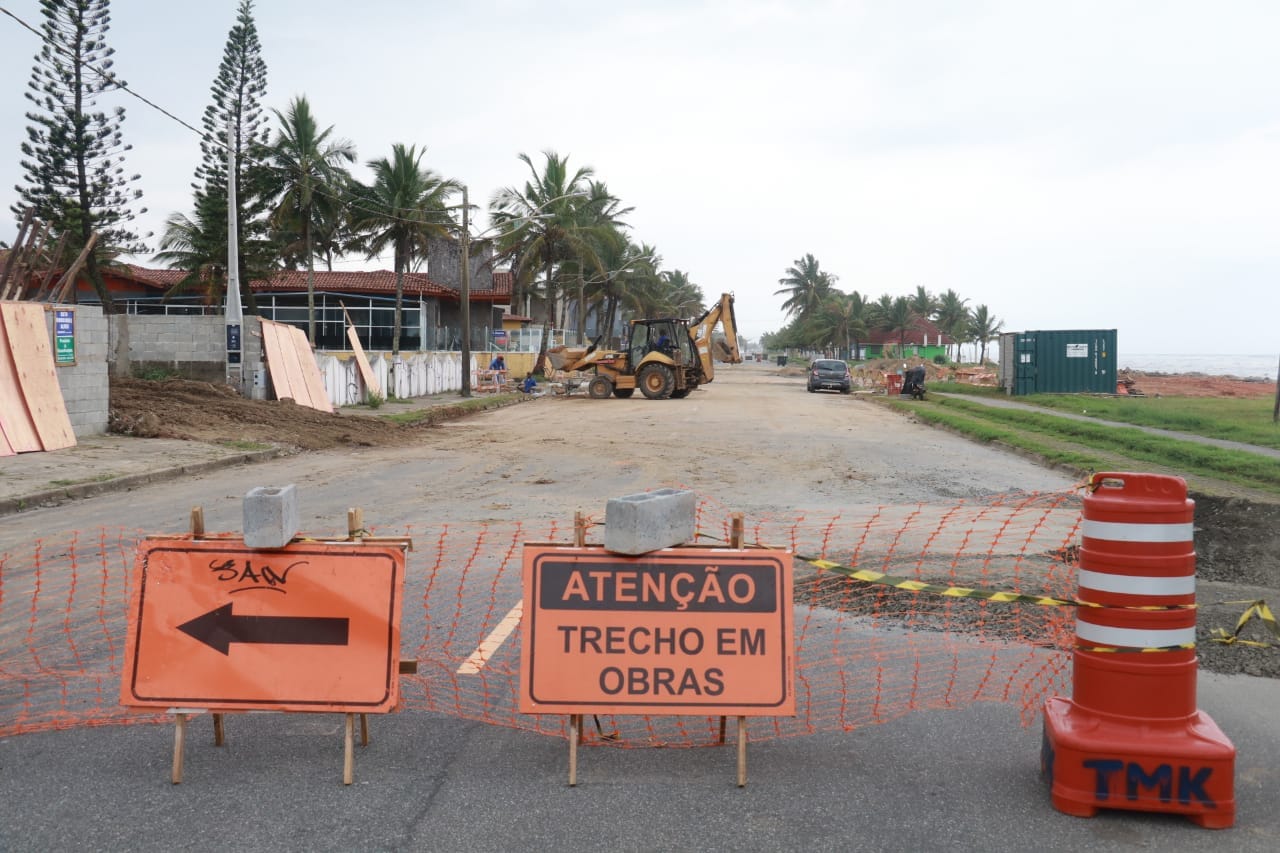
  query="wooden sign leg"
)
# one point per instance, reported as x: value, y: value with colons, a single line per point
x: 179, y: 741
x: 364, y: 729
x: 218, y: 735
x: 348, y: 753
x: 742, y: 752
x: 736, y: 540
x: 575, y: 730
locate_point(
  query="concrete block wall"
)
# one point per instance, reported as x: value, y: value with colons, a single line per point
x: 84, y: 384
x: 194, y: 347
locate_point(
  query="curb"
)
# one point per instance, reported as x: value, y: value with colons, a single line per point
x: 54, y: 497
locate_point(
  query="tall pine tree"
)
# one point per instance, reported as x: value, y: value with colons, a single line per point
x: 74, y: 154
x: 199, y: 245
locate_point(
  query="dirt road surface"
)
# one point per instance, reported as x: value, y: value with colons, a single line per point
x: 754, y: 440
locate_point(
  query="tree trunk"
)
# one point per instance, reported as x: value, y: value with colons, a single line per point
x: 582, y: 308
x: 311, y: 281
x: 548, y: 318
x: 396, y: 326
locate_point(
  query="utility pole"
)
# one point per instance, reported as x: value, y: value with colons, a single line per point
x: 234, y: 314
x: 1275, y: 413
x: 465, y: 240
x: 582, y: 308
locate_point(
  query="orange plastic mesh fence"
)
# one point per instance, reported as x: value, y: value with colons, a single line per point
x: 865, y: 653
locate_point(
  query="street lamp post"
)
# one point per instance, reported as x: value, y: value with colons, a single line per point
x: 465, y: 241
x: 233, y: 316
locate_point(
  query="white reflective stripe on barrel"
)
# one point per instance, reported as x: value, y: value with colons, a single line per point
x: 1130, y: 585
x: 1134, y: 638
x: 1115, y: 531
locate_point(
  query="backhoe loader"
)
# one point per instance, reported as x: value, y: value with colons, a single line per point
x: 663, y: 357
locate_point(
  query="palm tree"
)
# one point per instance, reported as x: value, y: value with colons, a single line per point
x: 543, y: 226
x: 601, y: 217
x: 401, y: 209
x: 680, y: 296
x: 309, y: 176
x: 806, y: 286
x: 923, y: 302
x: 188, y: 244
x: 952, y: 316
x: 624, y: 263
x: 984, y: 328
x: 639, y: 285
x: 898, y: 316
x: 642, y: 294
x: 846, y: 319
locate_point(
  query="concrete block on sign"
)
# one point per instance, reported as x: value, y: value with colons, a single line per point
x: 270, y: 516
x: 638, y: 524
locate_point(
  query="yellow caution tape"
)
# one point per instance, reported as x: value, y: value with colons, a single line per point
x: 1002, y: 596
x: 880, y: 578
x: 1256, y: 609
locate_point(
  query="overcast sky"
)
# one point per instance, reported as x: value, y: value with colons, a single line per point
x: 1070, y: 165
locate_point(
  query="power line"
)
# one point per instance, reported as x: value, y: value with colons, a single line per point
x: 212, y: 139
x: 104, y: 74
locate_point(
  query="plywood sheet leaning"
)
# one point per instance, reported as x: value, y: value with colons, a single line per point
x: 37, y: 378
x: 311, y: 377
x: 283, y: 363
x: 362, y: 361
x: 17, y: 431
x: 294, y: 373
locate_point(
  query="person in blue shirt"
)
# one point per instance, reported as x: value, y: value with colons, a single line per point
x: 530, y: 384
x: 498, y: 363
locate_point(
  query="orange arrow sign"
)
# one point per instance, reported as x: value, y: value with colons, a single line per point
x: 309, y: 627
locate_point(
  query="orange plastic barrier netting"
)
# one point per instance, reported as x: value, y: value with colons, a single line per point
x: 866, y: 653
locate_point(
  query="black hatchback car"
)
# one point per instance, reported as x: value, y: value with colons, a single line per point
x: 830, y: 374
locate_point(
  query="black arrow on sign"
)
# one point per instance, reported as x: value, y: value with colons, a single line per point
x: 219, y: 628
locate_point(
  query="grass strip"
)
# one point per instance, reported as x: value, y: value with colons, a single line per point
x: 987, y: 432
x: 450, y: 411
x: 1233, y: 419
x: 1011, y: 426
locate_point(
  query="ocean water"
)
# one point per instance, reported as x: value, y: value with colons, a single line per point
x: 1244, y: 366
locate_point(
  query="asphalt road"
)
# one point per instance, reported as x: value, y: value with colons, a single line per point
x: 933, y: 781
x: 957, y: 780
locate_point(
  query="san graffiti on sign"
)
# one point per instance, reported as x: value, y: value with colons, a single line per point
x: 677, y: 631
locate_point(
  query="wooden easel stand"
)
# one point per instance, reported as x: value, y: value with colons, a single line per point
x: 576, y: 735
x: 355, y: 533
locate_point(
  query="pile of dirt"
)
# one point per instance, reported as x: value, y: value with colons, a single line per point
x: 1194, y: 385
x: 204, y: 411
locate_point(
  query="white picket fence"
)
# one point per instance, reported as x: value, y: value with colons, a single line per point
x: 419, y: 374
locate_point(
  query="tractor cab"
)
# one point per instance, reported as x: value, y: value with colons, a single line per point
x: 662, y: 358
x: 661, y: 336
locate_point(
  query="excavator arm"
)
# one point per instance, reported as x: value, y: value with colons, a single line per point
x: 710, y: 351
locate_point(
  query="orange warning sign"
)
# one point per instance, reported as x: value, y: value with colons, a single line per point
x: 309, y: 627
x: 679, y: 631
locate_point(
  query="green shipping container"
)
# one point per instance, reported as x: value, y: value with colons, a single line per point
x: 1063, y: 362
